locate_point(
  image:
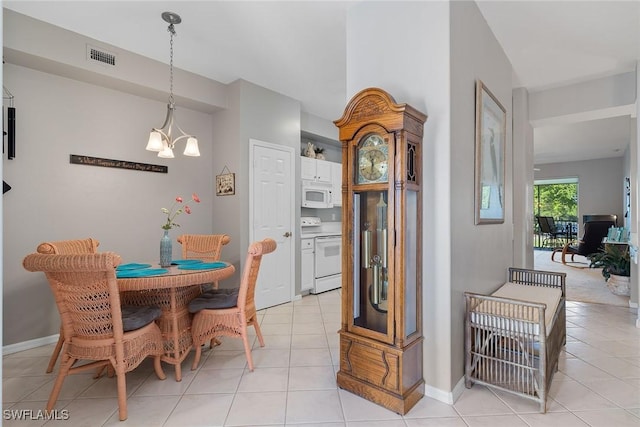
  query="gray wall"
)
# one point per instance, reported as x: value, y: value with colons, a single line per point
x: 66, y: 106
x: 52, y: 199
x: 270, y: 117
x: 479, y: 258
x: 600, y: 184
x: 253, y: 113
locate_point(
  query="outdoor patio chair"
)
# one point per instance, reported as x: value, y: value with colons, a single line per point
x: 550, y: 232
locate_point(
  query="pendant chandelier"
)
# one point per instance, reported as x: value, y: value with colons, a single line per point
x: 161, y: 139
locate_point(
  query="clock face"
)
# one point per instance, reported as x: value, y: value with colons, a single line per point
x: 373, y: 160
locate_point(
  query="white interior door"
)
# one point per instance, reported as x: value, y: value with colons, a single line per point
x: 272, y: 216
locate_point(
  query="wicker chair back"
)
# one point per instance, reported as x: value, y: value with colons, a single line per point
x: 66, y: 247
x: 206, y: 247
x: 208, y: 324
x: 86, y: 293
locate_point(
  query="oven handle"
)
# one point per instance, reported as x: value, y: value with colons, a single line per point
x: 323, y: 239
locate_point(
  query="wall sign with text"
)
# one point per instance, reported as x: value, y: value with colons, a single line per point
x: 120, y: 164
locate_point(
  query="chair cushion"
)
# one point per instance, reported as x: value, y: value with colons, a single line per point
x: 509, y: 316
x: 135, y: 317
x: 214, y: 299
x: 539, y: 294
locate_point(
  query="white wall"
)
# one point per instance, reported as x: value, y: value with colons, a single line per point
x: 414, y: 66
x: 635, y: 195
x: 411, y: 62
x: 609, y: 96
x: 631, y: 171
x: 522, y: 181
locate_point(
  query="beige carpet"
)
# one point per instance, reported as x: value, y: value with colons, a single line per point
x: 583, y: 284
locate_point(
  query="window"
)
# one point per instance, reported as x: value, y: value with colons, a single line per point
x: 558, y: 199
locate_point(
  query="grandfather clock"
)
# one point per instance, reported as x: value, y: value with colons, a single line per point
x: 381, y: 331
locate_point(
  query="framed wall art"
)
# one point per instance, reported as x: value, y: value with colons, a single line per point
x: 226, y: 183
x: 491, y: 120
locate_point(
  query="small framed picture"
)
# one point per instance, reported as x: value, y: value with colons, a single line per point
x: 226, y: 184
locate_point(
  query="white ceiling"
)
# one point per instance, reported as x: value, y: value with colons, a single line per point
x: 556, y: 43
x: 298, y: 48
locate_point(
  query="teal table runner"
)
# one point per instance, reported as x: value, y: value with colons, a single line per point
x: 185, y: 261
x: 203, y: 266
x: 140, y: 272
x: 132, y: 266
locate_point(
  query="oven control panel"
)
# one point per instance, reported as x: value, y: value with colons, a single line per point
x: 310, y: 221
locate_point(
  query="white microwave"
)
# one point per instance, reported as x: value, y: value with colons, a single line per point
x: 316, y: 195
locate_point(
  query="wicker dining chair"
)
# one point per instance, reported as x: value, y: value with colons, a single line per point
x: 96, y: 329
x: 221, y: 313
x: 205, y: 247
x: 66, y: 247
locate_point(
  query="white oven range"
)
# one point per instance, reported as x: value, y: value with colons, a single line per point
x: 321, y: 255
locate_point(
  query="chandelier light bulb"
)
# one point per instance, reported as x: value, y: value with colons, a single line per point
x: 155, y: 141
x: 161, y: 139
x: 192, y: 148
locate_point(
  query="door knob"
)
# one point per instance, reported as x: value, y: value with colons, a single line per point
x: 287, y: 234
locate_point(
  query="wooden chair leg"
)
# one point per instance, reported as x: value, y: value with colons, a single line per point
x: 196, y: 357
x: 99, y: 372
x: 258, y: 332
x: 247, y: 350
x: 65, y: 366
x: 56, y: 353
x: 122, y: 393
x: 157, y: 366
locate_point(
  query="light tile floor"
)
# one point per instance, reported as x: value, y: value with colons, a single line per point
x: 294, y: 381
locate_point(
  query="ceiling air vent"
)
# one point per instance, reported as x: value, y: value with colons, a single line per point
x: 100, y: 55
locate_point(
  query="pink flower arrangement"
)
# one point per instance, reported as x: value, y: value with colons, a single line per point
x: 177, y: 209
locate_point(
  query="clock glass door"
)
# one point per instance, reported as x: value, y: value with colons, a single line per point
x: 372, y: 294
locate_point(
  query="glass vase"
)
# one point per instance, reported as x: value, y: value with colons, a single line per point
x: 166, y: 250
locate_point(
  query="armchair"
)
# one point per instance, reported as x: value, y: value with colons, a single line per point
x: 591, y: 242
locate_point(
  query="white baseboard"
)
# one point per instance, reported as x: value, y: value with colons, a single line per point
x: 448, y: 397
x: 28, y: 345
x: 458, y: 389
x: 633, y: 304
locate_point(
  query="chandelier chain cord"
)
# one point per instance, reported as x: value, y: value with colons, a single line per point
x: 172, y: 31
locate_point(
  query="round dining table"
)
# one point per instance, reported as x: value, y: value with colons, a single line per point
x: 172, y: 292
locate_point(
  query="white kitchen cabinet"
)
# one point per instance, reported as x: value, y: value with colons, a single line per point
x: 307, y: 264
x: 336, y: 184
x: 315, y: 170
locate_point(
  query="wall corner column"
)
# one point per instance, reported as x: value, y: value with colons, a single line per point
x: 523, y: 157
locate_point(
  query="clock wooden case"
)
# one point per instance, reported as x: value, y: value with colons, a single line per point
x: 381, y: 330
